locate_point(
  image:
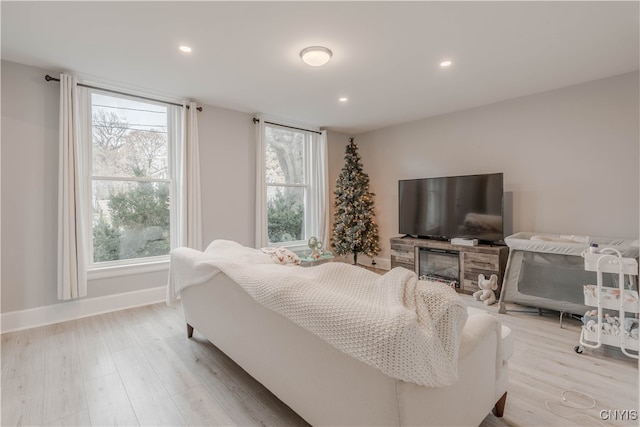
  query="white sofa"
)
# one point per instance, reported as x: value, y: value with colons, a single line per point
x: 328, y: 387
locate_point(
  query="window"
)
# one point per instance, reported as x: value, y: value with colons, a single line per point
x: 287, y: 184
x: 294, y: 180
x: 131, y: 179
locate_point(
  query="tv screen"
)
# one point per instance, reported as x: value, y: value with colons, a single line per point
x: 455, y: 206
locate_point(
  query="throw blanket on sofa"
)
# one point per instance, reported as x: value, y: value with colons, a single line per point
x: 409, y: 329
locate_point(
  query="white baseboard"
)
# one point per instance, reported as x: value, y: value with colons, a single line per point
x: 77, y: 309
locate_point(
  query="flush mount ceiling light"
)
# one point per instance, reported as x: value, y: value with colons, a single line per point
x: 184, y: 48
x: 343, y: 99
x: 315, y: 55
x: 445, y: 64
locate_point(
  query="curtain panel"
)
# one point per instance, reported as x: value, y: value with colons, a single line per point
x: 320, y: 182
x: 72, y: 276
x: 187, y: 166
x: 262, y: 239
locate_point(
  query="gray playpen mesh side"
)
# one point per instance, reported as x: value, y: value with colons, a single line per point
x: 551, y: 280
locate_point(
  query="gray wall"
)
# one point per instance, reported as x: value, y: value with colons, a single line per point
x: 29, y: 188
x: 228, y: 175
x: 569, y: 157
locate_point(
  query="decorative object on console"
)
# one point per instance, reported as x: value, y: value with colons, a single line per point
x: 317, y: 250
x: 487, y: 286
x: 354, y: 227
x: 317, y: 255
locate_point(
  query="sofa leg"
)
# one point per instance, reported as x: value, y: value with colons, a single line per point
x: 189, y: 331
x: 498, y: 410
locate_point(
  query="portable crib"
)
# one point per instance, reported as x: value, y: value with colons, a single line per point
x: 546, y: 271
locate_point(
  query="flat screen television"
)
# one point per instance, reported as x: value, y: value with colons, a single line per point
x: 443, y: 208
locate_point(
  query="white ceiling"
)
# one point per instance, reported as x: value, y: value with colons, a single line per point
x: 385, y: 54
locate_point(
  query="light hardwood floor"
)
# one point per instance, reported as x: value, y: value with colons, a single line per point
x: 136, y: 367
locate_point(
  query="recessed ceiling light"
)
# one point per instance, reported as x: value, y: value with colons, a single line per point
x: 184, y: 48
x: 445, y: 64
x: 316, y: 55
x: 343, y: 99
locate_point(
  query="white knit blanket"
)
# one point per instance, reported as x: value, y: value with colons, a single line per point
x: 409, y: 329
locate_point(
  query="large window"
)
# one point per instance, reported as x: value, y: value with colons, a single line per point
x: 131, y: 179
x: 291, y: 166
x: 287, y: 189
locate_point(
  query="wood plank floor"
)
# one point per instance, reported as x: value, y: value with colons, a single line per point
x: 136, y: 367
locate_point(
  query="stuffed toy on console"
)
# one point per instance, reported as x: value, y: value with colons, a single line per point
x: 487, y: 286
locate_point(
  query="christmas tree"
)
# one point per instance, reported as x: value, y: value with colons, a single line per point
x: 354, y: 228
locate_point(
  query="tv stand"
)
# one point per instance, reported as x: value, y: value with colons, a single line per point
x: 473, y: 260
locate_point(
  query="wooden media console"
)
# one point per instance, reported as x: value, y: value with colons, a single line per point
x: 472, y: 260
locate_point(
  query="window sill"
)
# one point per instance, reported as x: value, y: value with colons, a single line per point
x: 107, y: 272
x: 297, y: 246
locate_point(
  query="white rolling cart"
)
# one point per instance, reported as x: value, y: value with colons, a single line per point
x: 619, y: 302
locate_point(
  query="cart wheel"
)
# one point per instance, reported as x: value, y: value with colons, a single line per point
x: 578, y: 349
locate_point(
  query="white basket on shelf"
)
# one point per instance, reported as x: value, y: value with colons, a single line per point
x: 612, y: 340
x: 610, y: 298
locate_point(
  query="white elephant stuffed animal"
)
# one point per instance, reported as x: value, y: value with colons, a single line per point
x: 487, y: 286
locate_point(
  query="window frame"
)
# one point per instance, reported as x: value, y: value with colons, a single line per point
x: 106, y: 269
x: 309, y: 206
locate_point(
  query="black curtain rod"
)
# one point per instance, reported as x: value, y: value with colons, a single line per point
x: 256, y: 120
x: 49, y: 78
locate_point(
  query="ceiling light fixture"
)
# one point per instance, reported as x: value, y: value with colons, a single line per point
x: 315, y: 55
x: 343, y: 99
x: 445, y: 64
x: 184, y: 48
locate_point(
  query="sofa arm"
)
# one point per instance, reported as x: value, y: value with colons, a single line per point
x: 476, y: 330
x: 477, y: 386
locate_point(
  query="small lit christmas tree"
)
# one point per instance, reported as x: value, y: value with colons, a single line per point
x: 354, y: 228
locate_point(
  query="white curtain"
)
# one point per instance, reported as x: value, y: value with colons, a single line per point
x: 262, y: 239
x: 72, y: 276
x: 320, y: 182
x: 187, y: 163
